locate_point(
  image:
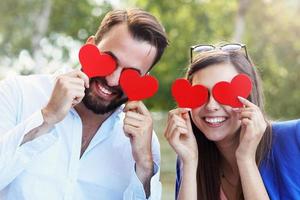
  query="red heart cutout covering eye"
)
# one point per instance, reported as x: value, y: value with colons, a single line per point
x: 226, y: 93
x: 188, y: 96
x: 94, y: 63
x: 138, y: 87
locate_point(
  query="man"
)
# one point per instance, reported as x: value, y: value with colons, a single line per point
x: 69, y: 137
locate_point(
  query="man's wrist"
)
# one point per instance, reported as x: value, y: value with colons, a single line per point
x: 144, y: 171
x: 48, y: 118
x: 145, y: 165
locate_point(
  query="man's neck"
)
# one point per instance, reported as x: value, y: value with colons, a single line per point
x: 88, y: 117
x: 90, y: 124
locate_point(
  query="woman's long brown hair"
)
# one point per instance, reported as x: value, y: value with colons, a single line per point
x: 209, y: 160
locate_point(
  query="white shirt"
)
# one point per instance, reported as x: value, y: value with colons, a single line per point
x: 50, y: 167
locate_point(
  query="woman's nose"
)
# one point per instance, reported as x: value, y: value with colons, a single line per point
x: 212, y: 104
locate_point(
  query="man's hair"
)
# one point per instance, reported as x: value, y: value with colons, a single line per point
x: 141, y: 24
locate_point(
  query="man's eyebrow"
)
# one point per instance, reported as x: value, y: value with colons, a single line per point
x: 118, y: 62
x: 112, y: 55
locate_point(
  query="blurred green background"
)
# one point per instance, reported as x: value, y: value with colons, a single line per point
x: 41, y: 36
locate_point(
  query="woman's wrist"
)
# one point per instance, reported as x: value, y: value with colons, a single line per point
x: 245, y: 156
x: 245, y: 161
x: 190, y: 165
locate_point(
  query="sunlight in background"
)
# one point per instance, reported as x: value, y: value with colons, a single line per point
x: 56, y: 51
x: 271, y: 32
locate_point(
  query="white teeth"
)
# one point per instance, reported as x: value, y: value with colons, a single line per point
x: 104, y: 90
x: 213, y: 120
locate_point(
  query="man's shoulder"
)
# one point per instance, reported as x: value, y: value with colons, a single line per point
x: 19, y: 82
x: 35, y: 82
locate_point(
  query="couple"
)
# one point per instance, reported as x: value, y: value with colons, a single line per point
x: 68, y: 137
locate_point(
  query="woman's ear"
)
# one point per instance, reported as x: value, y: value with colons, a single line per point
x: 91, y: 40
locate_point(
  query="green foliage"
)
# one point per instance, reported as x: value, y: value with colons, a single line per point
x: 271, y: 30
x: 273, y: 37
x: 18, y: 25
x: 187, y: 23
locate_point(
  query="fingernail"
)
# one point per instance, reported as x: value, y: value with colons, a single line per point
x: 235, y: 109
x: 241, y: 98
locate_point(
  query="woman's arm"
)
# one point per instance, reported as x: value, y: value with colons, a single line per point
x: 180, y: 136
x: 188, y: 186
x: 252, y: 183
x: 253, y: 127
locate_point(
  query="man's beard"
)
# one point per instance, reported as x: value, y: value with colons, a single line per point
x: 99, y: 105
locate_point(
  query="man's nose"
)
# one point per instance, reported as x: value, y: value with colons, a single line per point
x: 113, y: 78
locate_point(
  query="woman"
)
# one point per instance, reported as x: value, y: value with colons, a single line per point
x: 232, y: 153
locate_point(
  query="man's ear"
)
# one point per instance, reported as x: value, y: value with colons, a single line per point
x: 91, y: 40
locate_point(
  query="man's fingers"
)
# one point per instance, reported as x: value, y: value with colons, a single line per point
x: 81, y: 75
x: 138, y: 106
x: 134, y: 115
x: 129, y: 130
x: 133, y: 122
x: 76, y: 81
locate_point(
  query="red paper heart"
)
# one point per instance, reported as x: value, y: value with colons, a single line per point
x: 94, y: 63
x: 226, y: 93
x: 136, y: 87
x: 188, y: 96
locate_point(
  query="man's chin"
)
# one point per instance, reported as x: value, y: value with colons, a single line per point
x: 99, y: 108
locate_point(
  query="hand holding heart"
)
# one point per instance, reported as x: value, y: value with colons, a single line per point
x: 68, y: 91
x: 138, y: 126
x: 253, y: 126
x: 180, y: 136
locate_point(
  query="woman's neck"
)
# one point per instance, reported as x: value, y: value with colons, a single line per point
x: 227, y: 148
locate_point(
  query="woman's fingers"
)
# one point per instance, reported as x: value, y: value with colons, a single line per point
x: 246, y: 102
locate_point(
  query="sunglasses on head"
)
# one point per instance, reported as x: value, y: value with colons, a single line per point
x: 200, y: 48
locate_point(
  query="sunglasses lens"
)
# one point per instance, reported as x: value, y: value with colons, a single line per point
x: 231, y: 47
x: 203, y: 48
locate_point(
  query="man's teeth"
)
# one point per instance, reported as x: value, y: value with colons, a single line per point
x: 213, y: 120
x: 104, y: 90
